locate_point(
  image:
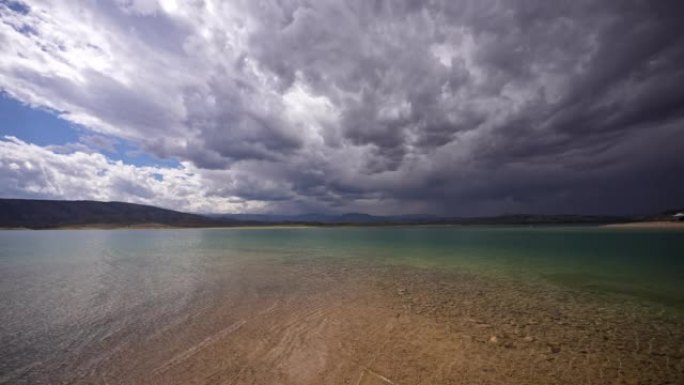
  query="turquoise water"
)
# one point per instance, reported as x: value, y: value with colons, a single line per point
x: 648, y: 264
x: 637, y: 262
x: 64, y: 290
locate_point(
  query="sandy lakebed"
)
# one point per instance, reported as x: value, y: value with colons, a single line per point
x: 308, y: 320
x: 323, y: 324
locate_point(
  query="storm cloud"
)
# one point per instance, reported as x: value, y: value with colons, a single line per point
x: 463, y: 107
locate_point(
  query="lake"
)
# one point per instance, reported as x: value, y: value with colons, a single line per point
x: 359, y: 305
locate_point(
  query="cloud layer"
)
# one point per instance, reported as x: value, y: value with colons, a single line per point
x: 460, y: 107
x: 31, y: 171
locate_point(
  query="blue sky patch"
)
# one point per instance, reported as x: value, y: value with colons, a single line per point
x: 35, y: 125
x: 16, y: 6
x: 43, y: 127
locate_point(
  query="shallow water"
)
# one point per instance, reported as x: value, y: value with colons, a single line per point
x: 73, y: 303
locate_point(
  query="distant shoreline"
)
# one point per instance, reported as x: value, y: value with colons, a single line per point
x: 60, y: 214
x: 159, y: 226
x: 155, y: 226
x: 647, y: 225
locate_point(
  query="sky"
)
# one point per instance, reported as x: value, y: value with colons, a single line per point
x: 449, y: 107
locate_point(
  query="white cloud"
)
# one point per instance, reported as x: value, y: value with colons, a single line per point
x: 28, y: 171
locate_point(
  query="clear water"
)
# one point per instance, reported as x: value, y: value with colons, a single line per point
x: 61, y: 290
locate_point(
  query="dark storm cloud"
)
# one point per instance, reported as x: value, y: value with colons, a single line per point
x: 460, y: 107
x: 546, y: 89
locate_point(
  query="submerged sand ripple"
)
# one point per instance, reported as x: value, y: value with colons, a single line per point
x: 346, y: 323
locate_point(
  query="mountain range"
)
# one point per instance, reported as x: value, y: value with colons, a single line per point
x: 43, y: 214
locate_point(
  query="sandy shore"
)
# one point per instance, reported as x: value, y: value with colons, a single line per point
x: 357, y: 323
x: 648, y: 225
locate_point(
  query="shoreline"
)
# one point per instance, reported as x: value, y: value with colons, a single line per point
x: 647, y: 225
x: 159, y: 226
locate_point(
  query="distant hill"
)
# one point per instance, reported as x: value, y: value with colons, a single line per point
x: 332, y: 219
x: 45, y: 214
x: 420, y: 219
x: 41, y: 214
